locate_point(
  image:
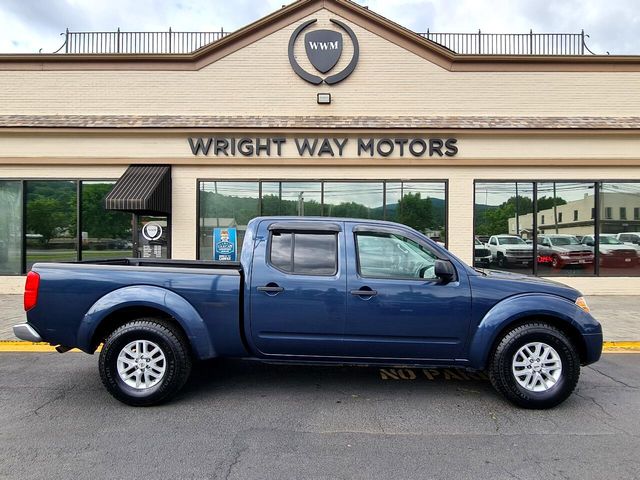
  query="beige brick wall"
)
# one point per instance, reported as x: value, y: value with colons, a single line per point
x: 258, y: 80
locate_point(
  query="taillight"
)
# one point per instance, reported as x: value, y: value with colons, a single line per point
x: 31, y: 291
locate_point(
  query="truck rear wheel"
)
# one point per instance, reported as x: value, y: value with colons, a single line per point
x: 144, y: 362
x: 535, y: 366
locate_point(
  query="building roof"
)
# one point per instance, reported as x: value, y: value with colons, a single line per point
x: 317, y: 122
x: 300, y: 9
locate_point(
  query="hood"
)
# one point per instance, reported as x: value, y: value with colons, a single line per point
x: 608, y: 248
x: 572, y: 248
x: 528, y: 248
x: 506, y: 284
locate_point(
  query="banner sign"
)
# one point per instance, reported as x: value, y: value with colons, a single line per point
x: 225, y: 246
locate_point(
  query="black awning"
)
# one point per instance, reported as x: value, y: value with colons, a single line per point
x: 142, y: 189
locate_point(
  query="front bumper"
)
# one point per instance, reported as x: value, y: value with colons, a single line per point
x: 24, y: 331
x: 593, y: 348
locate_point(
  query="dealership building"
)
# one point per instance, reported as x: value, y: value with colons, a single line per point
x: 144, y: 144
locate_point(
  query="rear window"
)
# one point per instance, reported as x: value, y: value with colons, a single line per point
x: 304, y: 253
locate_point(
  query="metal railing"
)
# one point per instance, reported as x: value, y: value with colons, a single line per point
x: 463, y: 43
x: 137, y: 42
x: 512, y: 43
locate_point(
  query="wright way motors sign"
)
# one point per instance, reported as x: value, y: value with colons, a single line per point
x: 328, y: 146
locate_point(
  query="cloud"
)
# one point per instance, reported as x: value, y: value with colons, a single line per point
x: 32, y: 24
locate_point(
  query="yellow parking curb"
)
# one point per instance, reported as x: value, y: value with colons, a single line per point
x: 19, y: 346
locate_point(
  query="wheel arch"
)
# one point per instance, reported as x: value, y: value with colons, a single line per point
x: 515, y: 311
x: 572, y: 333
x: 120, y: 306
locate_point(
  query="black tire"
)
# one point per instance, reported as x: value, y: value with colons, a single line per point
x: 504, y: 381
x: 173, y: 346
x: 555, y: 262
x: 502, y: 261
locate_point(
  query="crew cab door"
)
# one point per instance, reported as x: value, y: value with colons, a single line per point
x: 298, y: 288
x: 396, y: 307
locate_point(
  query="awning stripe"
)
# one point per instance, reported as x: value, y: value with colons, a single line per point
x: 143, y: 189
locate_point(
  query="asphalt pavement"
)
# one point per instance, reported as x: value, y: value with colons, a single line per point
x: 245, y: 420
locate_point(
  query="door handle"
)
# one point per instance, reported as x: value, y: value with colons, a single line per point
x: 365, y: 292
x: 271, y: 288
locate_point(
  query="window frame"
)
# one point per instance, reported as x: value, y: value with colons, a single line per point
x: 293, y: 233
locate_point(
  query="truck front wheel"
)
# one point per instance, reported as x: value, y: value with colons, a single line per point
x: 144, y: 362
x: 535, y: 365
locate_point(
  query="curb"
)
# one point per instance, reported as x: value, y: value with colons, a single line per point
x: 20, y: 346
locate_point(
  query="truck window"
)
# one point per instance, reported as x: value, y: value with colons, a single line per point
x: 304, y: 253
x: 388, y: 255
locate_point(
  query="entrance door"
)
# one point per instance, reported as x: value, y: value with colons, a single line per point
x: 298, y: 290
x: 396, y: 308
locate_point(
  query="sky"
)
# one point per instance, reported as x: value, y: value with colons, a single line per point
x: 30, y: 25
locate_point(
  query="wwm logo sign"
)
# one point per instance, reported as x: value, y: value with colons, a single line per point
x: 324, y: 45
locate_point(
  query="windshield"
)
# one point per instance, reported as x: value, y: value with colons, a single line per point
x: 478, y: 242
x: 511, y: 241
x: 609, y: 241
x: 564, y: 241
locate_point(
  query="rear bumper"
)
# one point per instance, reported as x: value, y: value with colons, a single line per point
x: 24, y: 331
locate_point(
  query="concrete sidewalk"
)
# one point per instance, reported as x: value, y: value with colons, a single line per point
x: 619, y: 315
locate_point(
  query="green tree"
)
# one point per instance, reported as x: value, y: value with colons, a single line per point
x: 49, y: 218
x: 416, y: 212
x: 99, y: 222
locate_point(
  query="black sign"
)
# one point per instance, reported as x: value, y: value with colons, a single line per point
x: 328, y: 146
x: 323, y: 48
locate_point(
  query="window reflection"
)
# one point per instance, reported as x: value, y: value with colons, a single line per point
x: 292, y: 198
x: 504, y: 226
x: 620, y: 236
x: 562, y: 250
x: 51, y: 221
x: 226, y: 204
x: 354, y: 200
x: 10, y: 227
x: 419, y: 205
x: 105, y: 233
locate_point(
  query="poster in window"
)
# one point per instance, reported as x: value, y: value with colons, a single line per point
x: 225, y: 244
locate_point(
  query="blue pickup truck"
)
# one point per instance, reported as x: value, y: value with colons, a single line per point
x: 314, y: 290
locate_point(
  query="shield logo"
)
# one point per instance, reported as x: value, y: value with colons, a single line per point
x: 324, y: 48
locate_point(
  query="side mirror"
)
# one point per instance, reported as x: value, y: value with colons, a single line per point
x: 443, y: 269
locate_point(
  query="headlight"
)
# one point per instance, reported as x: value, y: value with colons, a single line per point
x: 582, y: 303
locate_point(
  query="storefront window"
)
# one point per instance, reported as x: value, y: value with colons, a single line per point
x: 10, y: 227
x: 105, y: 233
x: 51, y: 221
x: 620, y: 237
x: 503, y: 227
x: 419, y: 205
x: 563, y: 248
x: 222, y: 205
x: 354, y: 200
x: 292, y: 198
